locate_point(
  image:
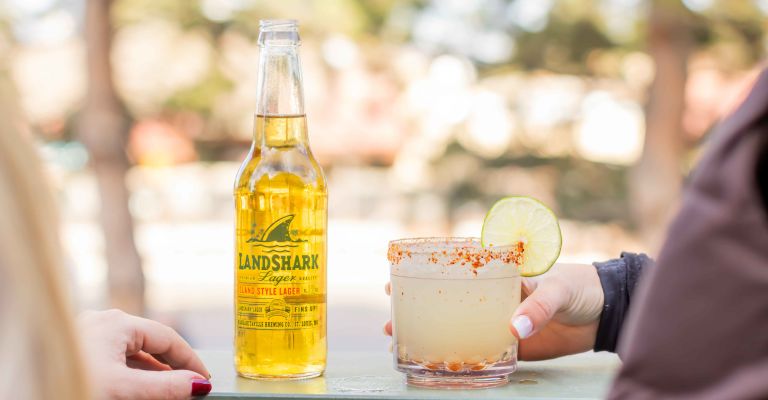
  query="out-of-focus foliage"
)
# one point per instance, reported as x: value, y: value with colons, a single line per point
x: 422, y: 113
x: 550, y: 85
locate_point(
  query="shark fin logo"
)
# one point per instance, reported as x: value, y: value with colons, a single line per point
x: 278, y: 237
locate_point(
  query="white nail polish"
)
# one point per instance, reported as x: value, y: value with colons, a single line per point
x: 523, y: 326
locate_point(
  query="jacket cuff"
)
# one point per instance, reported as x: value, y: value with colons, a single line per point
x: 618, y: 278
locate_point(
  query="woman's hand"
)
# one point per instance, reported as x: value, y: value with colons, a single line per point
x: 559, y: 313
x: 128, y: 357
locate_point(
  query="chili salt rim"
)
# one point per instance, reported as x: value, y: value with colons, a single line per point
x: 453, y: 251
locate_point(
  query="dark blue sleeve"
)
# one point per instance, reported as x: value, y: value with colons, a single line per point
x: 618, y: 278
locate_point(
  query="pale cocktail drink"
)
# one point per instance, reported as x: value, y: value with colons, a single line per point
x: 452, y: 302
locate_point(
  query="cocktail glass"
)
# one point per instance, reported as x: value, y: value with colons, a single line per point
x: 452, y: 301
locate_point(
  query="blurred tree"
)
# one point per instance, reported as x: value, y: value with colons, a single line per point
x: 656, y: 179
x: 103, y: 126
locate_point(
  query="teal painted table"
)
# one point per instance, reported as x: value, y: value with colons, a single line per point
x: 371, y: 376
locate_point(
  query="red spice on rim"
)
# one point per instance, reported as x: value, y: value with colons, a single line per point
x: 478, y: 258
x: 462, y: 252
x: 395, y: 253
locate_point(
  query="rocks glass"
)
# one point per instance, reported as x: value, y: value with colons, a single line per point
x: 452, y: 301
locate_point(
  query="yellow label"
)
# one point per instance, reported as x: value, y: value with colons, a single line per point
x: 278, y: 280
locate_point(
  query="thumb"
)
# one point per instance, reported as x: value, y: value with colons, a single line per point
x: 537, y: 309
x: 166, y: 385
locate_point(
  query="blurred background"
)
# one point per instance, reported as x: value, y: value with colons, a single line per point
x: 422, y: 113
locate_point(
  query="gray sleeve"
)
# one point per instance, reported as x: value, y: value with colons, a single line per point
x: 618, y: 278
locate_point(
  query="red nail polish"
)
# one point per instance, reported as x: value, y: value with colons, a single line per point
x: 201, y: 387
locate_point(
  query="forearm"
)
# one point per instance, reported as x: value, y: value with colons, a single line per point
x: 618, y: 278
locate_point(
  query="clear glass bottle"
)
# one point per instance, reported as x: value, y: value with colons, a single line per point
x: 281, y: 207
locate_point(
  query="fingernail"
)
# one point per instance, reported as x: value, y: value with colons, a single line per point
x: 201, y: 387
x: 523, y: 326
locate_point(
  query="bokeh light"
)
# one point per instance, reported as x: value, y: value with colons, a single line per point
x: 423, y: 113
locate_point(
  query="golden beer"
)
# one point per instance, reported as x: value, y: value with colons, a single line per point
x: 280, y: 237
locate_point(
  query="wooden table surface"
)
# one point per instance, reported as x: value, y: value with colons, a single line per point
x: 371, y: 376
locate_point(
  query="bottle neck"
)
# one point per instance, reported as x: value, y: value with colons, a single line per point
x: 280, y: 89
x: 280, y: 132
x: 280, y: 118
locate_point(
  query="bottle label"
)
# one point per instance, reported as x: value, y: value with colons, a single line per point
x: 278, y: 275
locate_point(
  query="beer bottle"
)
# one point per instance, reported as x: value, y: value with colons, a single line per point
x: 281, y: 211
